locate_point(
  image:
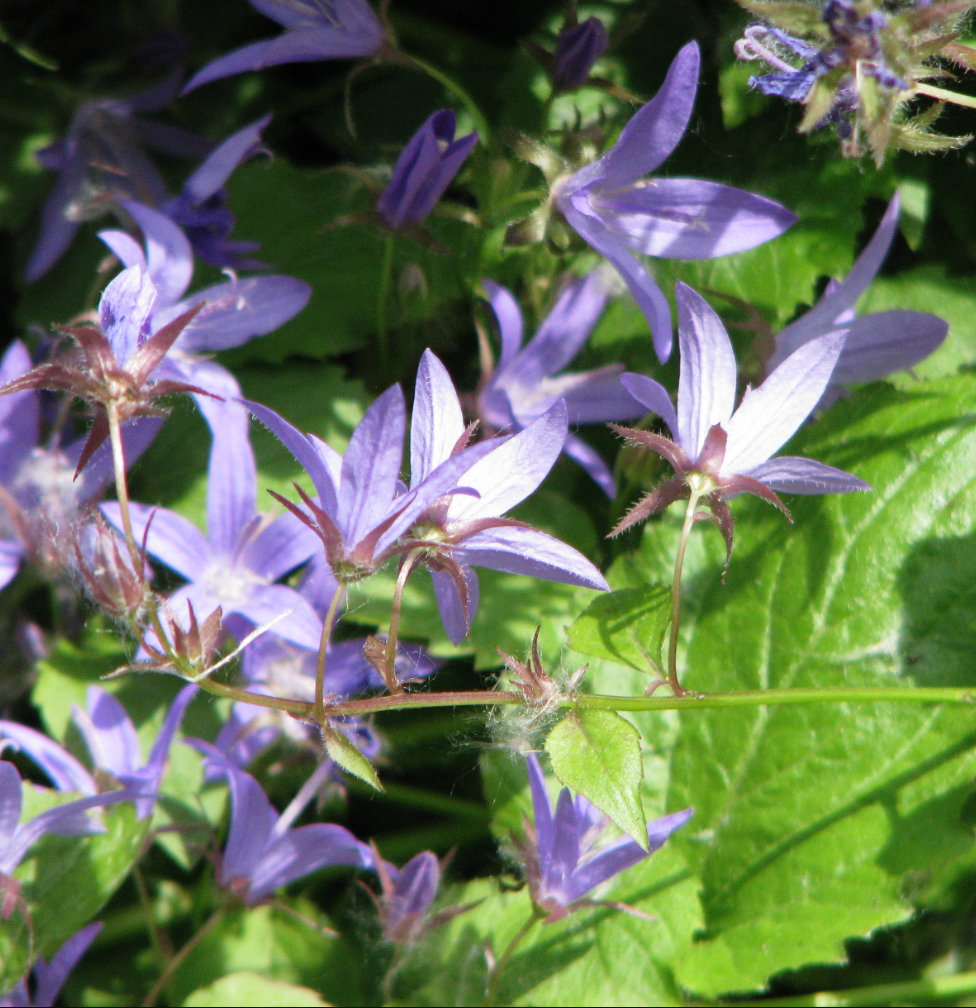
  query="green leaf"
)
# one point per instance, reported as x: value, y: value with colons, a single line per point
x: 593, y: 957
x: 245, y: 989
x: 627, y: 626
x: 598, y: 754
x: 811, y: 823
x: 350, y: 758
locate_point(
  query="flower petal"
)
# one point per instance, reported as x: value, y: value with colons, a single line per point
x: 437, y: 422
x: 280, y: 547
x: 653, y: 396
x: 169, y: 257
x: 541, y: 809
x: 527, y: 551
x: 231, y: 476
x: 267, y: 602
x: 49, y: 977
x: 769, y: 415
x: 108, y: 732
x: 19, y: 416
x: 218, y: 167
x: 450, y: 605
x: 65, y: 772
x: 881, y: 344
x: 172, y: 539
x: 679, y: 218
x: 706, y: 387
x: 125, y: 309
x: 788, y: 474
x: 510, y: 325
x: 591, y: 460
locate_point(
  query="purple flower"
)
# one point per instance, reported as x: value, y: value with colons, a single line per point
x: 562, y: 860
x: 236, y: 565
x: 230, y: 313
x: 408, y: 894
x: 618, y: 211
x: 68, y: 819
x: 361, y: 513
x: 201, y: 208
x: 315, y: 30
x: 876, y: 345
x: 577, y: 49
x: 424, y: 170
x: 112, y: 744
x: 277, y: 668
x: 718, y: 453
x: 462, y: 531
x: 100, y: 159
x: 262, y: 852
x: 525, y: 384
x: 41, y: 502
x: 49, y: 977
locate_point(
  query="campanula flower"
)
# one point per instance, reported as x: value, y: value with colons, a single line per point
x: 112, y: 743
x: 577, y: 49
x: 229, y: 313
x: 237, y: 564
x: 314, y: 30
x: 719, y: 451
x: 463, y: 531
x: 618, y: 210
x: 525, y: 382
x: 876, y: 345
x: 560, y: 852
x: 49, y: 977
x: 423, y: 171
x: 101, y: 159
x: 262, y: 852
x: 42, y: 503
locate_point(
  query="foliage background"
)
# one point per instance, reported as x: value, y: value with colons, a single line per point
x: 831, y: 847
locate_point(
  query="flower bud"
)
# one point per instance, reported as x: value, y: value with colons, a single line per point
x: 107, y: 569
x: 576, y: 51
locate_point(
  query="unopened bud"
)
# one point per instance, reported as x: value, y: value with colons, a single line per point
x: 108, y: 571
x: 576, y: 51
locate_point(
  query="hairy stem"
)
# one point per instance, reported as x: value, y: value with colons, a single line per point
x: 319, y: 709
x: 382, y: 297
x: 409, y: 562
x: 942, y: 95
x: 679, y: 561
x: 496, y: 972
x: 174, y: 964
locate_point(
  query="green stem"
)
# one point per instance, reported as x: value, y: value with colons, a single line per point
x: 679, y: 561
x: 174, y: 964
x: 499, y: 967
x: 942, y: 95
x: 910, y: 992
x: 393, y: 637
x: 480, y: 123
x: 319, y: 709
x: 382, y: 297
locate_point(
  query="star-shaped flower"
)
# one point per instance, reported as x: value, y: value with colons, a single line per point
x: 719, y: 451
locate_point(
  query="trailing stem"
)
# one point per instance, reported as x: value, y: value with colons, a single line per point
x: 679, y: 560
x: 494, y: 977
x: 319, y: 708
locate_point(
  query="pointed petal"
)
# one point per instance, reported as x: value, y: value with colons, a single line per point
x: 706, y: 388
x: 371, y: 466
x: 509, y: 316
x: 565, y: 853
x: 590, y: 396
x: 232, y: 476
x: 787, y: 474
x: 840, y: 298
x: 437, y: 421
x: 65, y: 772
x: 691, y: 219
x: 156, y: 764
x: 137, y: 435
x: 126, y: 248
x: 455, y: 615
x: 591, y: 460
x: 57, y: 231
x: 217, y: 168
x: 301, y: 626
x: 19, y: 416
x: 172, y: 539
x: 234, y: 312
x: 303, y: 850
x: 882, y: 344
x: 304, y: 451
x: 415, y: 889
x: 10, y: 804
x: 169, y: 257
x: 653, y: 133
x: 769, y: 415
x: 300, y: 45
x: 49, y: 977
x: 653, y: 396
x: 514, y: 469
x: 646, y: 292
x: 109, y: 732
x: 252, y: 817
x: 541, y: 809
x: 125, y: 309
x: 532, y: 553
